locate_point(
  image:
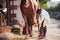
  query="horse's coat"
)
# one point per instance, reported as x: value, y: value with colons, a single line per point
x: 28, y: 9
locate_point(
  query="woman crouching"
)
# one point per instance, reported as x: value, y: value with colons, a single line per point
x: 43, y: 19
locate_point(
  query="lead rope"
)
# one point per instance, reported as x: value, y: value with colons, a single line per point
x: 38, y: 22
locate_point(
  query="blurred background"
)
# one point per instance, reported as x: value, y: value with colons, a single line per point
x: 52, y: 6
x: 13, y: 8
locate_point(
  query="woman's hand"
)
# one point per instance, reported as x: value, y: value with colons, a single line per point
x: 36, y: 24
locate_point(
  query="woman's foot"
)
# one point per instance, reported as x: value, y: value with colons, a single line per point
x: 39, y: 36
x: 42, y: 37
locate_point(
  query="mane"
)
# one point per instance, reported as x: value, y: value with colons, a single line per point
x: 23, y: 2
x: 1, y: 6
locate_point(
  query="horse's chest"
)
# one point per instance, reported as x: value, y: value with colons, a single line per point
x: 29, y: 8
x: 27, y: 11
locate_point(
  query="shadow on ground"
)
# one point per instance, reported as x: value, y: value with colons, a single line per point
x: 58, y: 26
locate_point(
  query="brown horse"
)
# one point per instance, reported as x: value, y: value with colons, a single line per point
x: 28, y: 8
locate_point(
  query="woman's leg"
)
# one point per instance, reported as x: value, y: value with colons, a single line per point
x: 44, y: 30
x: 45, y: 27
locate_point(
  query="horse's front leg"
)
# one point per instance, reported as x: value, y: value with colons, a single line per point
x: 31, y: 31
x: 26, y: 30
x: 26, y: 24
x: 32, y: 21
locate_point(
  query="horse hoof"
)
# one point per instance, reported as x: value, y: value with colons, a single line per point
x: 30, y: 35
x: 26, y: 37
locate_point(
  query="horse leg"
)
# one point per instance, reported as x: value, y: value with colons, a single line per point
x: 32, y: 21
x: 26, y: 29
x: 25, y: 18
x: 30, y: 31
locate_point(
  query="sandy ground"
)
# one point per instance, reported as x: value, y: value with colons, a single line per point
x: 53, y: 33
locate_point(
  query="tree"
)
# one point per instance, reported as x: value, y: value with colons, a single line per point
x: 43, y: 3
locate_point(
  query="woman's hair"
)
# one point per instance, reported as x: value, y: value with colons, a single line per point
x: 39, y: 11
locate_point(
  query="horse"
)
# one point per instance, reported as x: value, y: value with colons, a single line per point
x: 28, y: 9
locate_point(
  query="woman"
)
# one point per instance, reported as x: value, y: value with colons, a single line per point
x: 43, y: 19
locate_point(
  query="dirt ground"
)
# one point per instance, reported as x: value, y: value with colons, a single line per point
x: 53, y: 33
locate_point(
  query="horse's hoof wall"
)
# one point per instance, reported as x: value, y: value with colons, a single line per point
x: 30, y: 35
x: 27, y: 37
